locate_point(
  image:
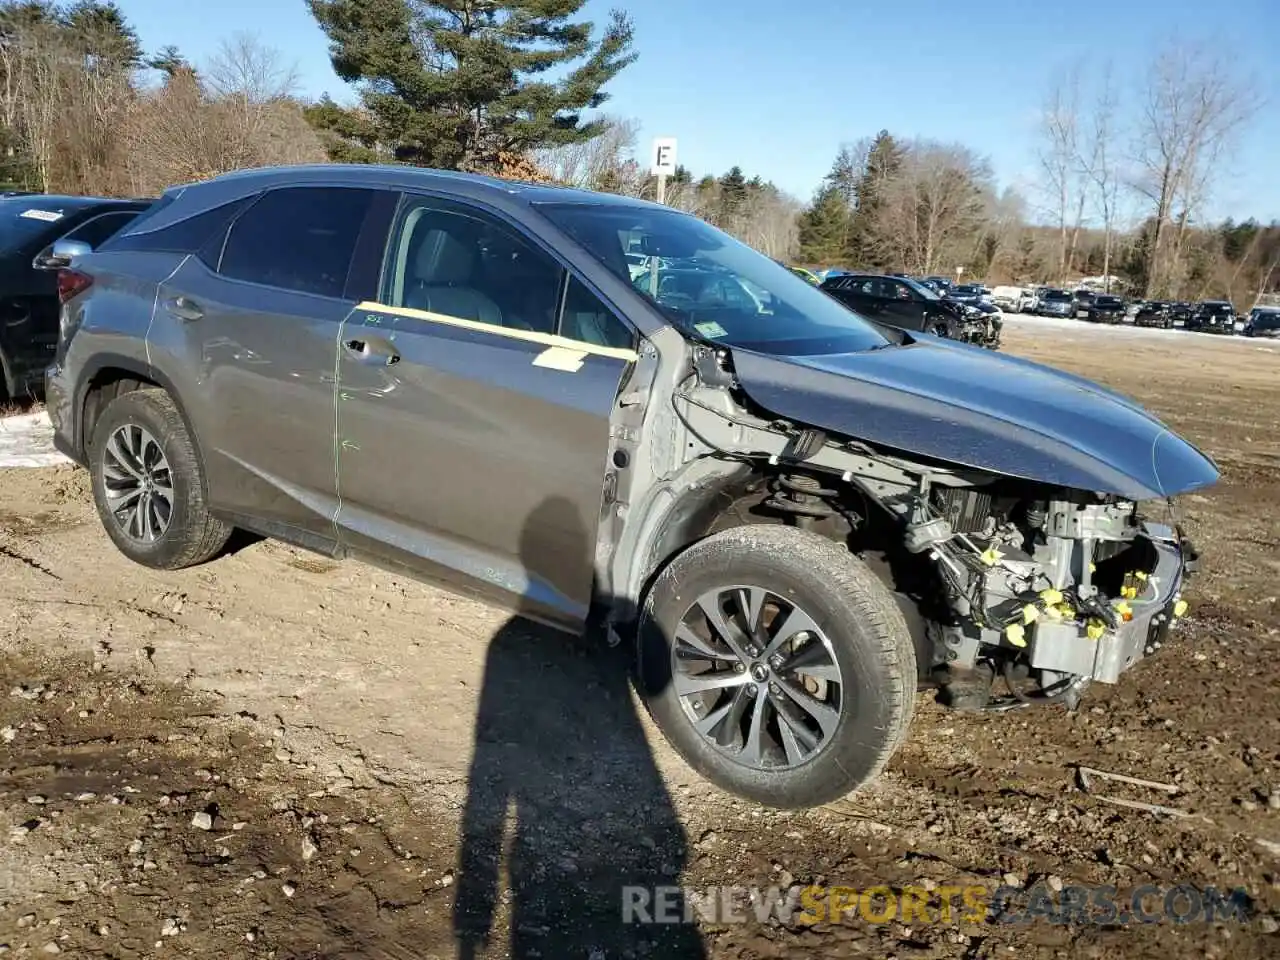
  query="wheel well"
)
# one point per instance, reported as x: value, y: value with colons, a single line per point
x: 107, y: 384
x: 874, y: 538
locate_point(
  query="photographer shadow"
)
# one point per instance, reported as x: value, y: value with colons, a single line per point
x: 564, y: 796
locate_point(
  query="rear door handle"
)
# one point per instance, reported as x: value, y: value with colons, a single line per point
x: 184, y: 308
x: 374, y: 351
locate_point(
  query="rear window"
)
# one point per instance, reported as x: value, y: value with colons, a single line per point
x: 1057, y: 295
x: 1109, y: 302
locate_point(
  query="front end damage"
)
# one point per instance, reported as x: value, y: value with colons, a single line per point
x: 1023, y: 584
x: 1048, y: 594
x: 980, y: 328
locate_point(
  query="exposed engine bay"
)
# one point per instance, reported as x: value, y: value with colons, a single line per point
x: 1060, y: 590
x: 980, y: 328
x: 1042, y: 588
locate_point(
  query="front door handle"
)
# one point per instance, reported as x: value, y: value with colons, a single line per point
x: 184, y: 308
x: 374, y: 351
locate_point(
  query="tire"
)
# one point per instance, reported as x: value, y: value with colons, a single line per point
x: 859, y: 627
x: 190, y: 534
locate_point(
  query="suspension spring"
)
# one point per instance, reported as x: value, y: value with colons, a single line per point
x: 802, y: 496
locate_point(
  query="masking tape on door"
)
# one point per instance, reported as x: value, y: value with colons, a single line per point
x: 561, y: 358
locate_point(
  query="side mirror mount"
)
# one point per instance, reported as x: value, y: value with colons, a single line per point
x: 60, y: 254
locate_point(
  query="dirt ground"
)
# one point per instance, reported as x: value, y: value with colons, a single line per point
x: 278, y: 756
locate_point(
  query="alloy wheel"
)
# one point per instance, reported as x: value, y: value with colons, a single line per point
x: 138, y: 483
x: 757, y: 677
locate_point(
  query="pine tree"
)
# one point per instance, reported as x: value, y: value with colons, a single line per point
x: 733, y: 194
x: 846, y: 173
x: 169, y: 61
x: 350, y: 136
x: 101, y: 34
x: 884, y: 161
x: 1028, y: 265
x: 824, y: 228
x: 457, y: 84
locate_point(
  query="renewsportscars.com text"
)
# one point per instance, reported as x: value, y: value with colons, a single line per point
x: 946, y: 904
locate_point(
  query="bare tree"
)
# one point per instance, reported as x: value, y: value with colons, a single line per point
x: 607, y: 162
x: 63, y: 104
x: 1099, y: 160
x: 933, y: 206
x: 1060, y: 160
x: 238, y: 115
x: 245, y: 68
x: 768, y: 222
x: 1194, y: 106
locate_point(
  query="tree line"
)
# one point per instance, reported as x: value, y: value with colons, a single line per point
x: 1126, y: 176
x: 519, y: 88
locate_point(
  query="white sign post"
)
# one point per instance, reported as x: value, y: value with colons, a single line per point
x: 663, y: 163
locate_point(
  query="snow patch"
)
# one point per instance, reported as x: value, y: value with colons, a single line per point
x: 1127, y: 331
x: 27, y: 441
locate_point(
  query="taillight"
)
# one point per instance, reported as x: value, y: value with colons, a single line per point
x: 71, y: 283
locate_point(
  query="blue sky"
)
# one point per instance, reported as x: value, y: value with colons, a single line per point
x: 776, y: 87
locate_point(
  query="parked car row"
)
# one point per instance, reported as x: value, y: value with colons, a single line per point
x: 1207, y: 316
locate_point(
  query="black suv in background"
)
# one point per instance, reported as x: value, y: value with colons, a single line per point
x: 901, y: 303
x: 1263, y: 322
x: 1213, y: 316
x: 1153, y: 313
x: 1081, y: 302
x: 1105, y: 308
x: 29, y: 225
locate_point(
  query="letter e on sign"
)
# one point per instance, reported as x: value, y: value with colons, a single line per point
x: 664, y: 157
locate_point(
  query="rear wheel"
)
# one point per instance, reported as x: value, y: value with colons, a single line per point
x: 777, y: 665
x: 148, y: 483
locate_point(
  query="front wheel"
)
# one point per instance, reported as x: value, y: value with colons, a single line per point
x: 148, y: 483
x: 777, y: 665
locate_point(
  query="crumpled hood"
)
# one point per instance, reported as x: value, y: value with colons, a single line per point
x: 968, y: 406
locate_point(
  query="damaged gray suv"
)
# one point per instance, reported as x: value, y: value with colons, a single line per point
x: 798, y: 518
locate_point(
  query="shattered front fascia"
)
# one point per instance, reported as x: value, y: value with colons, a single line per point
x: 1067, y: 645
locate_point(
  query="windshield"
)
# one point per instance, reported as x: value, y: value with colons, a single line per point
x: 966, y: 290
x: 1109, y: 301
x: 926, y: 293
x: 708, y: 283
x: 26, y: 221
x: 1057, y: 295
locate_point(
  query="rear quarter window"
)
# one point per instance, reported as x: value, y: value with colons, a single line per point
x: 191, y: 234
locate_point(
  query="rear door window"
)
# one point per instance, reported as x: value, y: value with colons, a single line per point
x: 298, y: 238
